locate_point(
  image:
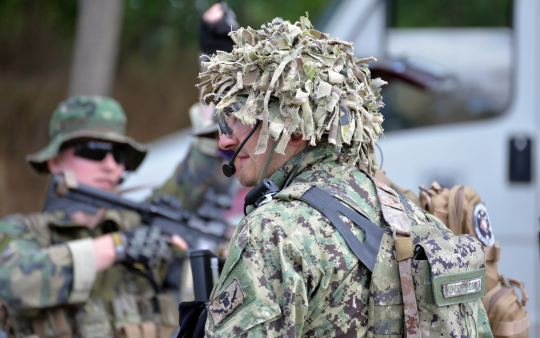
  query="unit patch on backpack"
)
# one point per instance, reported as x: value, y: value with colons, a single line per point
x: 482, y: 225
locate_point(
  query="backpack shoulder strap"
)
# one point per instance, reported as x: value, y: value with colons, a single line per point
x: 394, y: 215
x: 329, y: 206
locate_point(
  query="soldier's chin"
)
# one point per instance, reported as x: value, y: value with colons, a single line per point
x: 246, y: 180
x: 104, y: 185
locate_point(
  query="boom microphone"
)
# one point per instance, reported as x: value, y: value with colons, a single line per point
x: 228, y: 168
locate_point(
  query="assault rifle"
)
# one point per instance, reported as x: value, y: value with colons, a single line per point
x: 66, y: 194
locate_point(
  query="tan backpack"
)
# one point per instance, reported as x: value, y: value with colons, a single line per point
x: 463, y: 212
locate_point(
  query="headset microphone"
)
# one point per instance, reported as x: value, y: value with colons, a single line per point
x: 228, y: 168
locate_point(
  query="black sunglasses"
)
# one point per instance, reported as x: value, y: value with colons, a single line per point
x: 222, y: 122
x: 96, y: 151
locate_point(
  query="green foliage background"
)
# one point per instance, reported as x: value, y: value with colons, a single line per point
x: 157, y: 66
x: 152, y: 29
x: 155, y: 77
x: 451, y: 13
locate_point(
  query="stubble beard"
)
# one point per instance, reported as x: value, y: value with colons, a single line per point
x: 246, y: 176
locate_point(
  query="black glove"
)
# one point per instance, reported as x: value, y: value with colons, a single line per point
x: 146, y: 245
x: 215, y: 36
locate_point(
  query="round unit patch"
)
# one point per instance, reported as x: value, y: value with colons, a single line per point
x: 482, y: 225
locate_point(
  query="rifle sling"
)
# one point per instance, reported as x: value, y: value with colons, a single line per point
x: 329, y: 206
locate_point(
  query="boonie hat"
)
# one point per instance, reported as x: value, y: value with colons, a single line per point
x: 94, y: 117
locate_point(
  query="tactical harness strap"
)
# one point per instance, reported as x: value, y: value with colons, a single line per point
x: 507, y: 329
x: 493, y: 253
x: 329, y: 206
x: 410, y: 309
x: 395, y: 216
x: 367, y: 252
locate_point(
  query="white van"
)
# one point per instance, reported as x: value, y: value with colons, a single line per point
x: 461, y: 109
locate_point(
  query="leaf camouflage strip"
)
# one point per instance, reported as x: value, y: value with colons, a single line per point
x: 322, y: 88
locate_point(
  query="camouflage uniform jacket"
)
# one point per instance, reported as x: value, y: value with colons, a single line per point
x: 289, y: 273
x: 47, y: 263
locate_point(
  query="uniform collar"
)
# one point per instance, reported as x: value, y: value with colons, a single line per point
x: 323, y: 155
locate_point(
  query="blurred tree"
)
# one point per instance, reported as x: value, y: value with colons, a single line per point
x: 96, y: 45
x: 154, y: 80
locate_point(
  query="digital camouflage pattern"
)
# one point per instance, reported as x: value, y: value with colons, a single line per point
x: 398, y: 222
x: 318, y: 87
x: 93, y: 117
x: 37, y: 276
x: 298, y: 275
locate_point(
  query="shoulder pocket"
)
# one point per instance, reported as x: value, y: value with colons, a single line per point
x: 245, y: 298
x: 449, y: 279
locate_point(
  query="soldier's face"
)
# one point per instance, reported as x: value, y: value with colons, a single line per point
x: 104, y: 174
x: 248, y: 165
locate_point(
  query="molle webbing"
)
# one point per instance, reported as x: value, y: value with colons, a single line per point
x: 143, y: 330
x: 329, y: 206
x: 395, y: 216
x: 52, y: 323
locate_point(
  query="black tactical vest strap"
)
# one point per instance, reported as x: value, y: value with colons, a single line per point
x: 329, y: 206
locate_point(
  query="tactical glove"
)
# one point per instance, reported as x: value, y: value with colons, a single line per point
x: 146, y: 245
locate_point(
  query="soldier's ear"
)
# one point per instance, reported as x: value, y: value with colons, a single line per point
x: 296, y: 139
x: 54, y: 165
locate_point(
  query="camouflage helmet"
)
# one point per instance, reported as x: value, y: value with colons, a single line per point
x: 297, y: 80
x: 94, y: 117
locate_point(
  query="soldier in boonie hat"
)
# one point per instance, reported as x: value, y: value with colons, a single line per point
x: 81, y: 258
x: 88, y: 117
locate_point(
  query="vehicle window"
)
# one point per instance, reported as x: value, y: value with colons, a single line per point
x: 446, y: 61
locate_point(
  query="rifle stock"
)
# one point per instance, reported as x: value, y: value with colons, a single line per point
x: 201, y: 269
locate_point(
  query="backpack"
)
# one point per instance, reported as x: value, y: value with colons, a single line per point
x: 462, y: 211
x: 426, y: 277
x: 425, y: 281
x: 419, y: 286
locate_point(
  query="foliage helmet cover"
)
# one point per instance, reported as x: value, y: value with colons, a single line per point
x: 297, y: 80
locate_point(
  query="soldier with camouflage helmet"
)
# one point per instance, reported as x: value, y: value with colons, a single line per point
x: 200, y: 171
x: 299, y: 109
x: 74, y: 275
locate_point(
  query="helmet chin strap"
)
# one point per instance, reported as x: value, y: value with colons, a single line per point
x: 264, y: 190
x: 268, y: 160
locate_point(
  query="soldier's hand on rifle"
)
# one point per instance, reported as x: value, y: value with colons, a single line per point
x: 146, y: 245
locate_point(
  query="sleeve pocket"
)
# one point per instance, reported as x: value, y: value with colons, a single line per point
x: 245, y: 300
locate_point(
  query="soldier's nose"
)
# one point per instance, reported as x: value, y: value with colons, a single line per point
x: 109, y: 162
x: 228, y: 142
